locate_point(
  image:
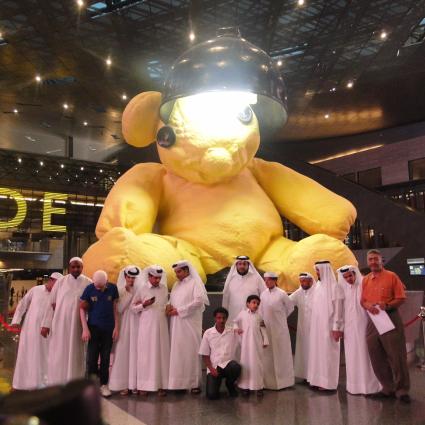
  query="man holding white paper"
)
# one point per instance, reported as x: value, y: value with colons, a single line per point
x: 383, y: 290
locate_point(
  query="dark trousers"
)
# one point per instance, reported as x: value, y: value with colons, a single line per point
x: 388, y: 356
x: 230, y: 373
x: 100, y: 344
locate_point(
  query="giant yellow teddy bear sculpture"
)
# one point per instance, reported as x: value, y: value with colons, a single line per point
x: 210, y: 199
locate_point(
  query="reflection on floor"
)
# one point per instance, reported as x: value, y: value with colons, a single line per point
x: 296, y: 406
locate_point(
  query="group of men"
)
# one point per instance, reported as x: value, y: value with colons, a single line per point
x: 157, y: 343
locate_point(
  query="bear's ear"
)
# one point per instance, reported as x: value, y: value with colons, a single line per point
x: 140, y: 119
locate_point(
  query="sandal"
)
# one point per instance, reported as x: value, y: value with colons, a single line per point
x: 195, y: 391
x: 124, y: 392
x: 162, y: 393
x: 135, y: 392
x: 143, y: 393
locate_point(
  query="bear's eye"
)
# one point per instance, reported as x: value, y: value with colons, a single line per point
x: 166, y: 137
x: 245, y: 116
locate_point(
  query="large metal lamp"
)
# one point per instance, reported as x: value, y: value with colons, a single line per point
x: 229, y: 63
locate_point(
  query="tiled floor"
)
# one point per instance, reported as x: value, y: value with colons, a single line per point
x: 296, y: 406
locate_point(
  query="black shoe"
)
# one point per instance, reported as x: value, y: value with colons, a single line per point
x: 233, y: 392
x: 381, y: 394
x: 245, y: 393
x: 405, y: 398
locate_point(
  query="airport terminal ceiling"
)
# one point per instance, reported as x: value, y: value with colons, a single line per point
x: 67, y: 69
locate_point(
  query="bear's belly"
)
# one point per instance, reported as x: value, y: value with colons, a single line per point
x: 225, y: 220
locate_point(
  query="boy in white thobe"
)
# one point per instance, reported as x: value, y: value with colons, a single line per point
x: 123, y: 376
x: 243, y: 280
x: 250, y: 325
x: 325, y: 330
x: 31, y: 364
x: 187, y: 303
x: 361, y: 378
x: 275, y: 307
x: 66, y: 349
x: 153, y: 347
x: 302, y: 300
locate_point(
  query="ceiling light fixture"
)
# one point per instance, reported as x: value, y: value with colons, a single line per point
x: 327, y: 116
x: 279, y: 63
x: 124, y: 96
x: 108, y: 61
x: 41, y: 163
x: 383, y: 35
x: 38, y: 78
x: 350, y: 84
x: 82, y: 168
x: 15, y: 111
x: 65, y: 106
x: 20, y: 160
x: 85, y: 123
x: 300, y: 2
x: 192, y: 36
x: 62, y: 166
x: 80, y: 3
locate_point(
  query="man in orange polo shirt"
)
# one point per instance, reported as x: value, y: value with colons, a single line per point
x: 384, y: 289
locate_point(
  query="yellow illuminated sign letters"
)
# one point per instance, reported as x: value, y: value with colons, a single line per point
x: 21, y: 211
x: 48, y: 210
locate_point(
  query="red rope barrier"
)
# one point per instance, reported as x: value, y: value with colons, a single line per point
x: 411, y: 321
x: 8, y: 327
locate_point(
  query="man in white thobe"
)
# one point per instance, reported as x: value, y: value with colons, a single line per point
x: 66, y: 349
x: 242, y: 281
x: 153, y: 347
x: 123, y: 376
x: 275, y: 307
x: 187, y: 303
x: 302, y: 300
x: 361, y: 378
x: 326, y: 328
x: 31, y: 364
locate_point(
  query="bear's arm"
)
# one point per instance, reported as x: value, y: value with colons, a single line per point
x: 133, y: 201
x: 304, y: 202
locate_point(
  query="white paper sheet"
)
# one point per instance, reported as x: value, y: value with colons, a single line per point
x: 381, y: 321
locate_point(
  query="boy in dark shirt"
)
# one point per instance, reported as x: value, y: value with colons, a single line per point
x: 100, y: 329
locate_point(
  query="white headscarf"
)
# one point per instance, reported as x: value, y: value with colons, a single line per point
x: 356, y: 286
x: 273, y: 275
x: 233, y: 271
x: 307, y: 275
x: 56, y: 275
x: 138, y: 283
x: 349, y: 268
x: 77, y: 259
x: 329, y: 282
x: 154, y: 270
x: 195, y: 275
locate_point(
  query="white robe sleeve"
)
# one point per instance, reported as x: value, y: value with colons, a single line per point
x: 22, y: 308
x: 263, y: 332
x: 226, y: 295
x: 294, y: 298
x: 124, y: 301
x: 188, y: 309
x: 289, y: 304
x: 49, y: 312
x: 261, y: 286
x: 338, y: 316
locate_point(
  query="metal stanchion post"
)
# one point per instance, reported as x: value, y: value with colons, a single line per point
x: 422, y: 316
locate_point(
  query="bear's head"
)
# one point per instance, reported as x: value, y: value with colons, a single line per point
x: 206, y: 131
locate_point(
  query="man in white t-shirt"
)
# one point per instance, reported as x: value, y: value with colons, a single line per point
x: 218, y: 349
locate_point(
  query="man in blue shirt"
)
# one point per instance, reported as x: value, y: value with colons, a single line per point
x: 99, y: 303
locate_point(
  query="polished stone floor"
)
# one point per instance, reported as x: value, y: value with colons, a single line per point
x: 296, y: 406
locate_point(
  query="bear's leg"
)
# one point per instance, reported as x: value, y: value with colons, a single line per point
x: 120, y: 247
x: 291, y: 258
